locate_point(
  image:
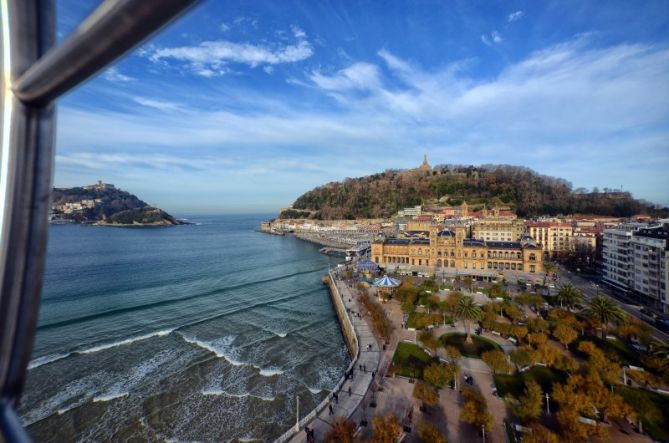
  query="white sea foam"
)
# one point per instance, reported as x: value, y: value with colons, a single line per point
x: 126, y: 341
x: 281, y: 334
x: 314, y: 390
x: 269, y: 372
x: 217, y: 347
x: 36, y: 363
x: 213, y: 391
x: 110, y: 396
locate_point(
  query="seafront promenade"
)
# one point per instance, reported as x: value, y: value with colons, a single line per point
x: 355, y: 386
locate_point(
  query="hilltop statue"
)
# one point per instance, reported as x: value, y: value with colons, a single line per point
x: 425, y: 166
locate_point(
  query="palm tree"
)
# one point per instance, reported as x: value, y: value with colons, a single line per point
x: 660, y: 349
x: 604, y: 311
x: 468, y: 311
x: 569, y: 296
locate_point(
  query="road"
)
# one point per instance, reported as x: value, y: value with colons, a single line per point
x: 590, y: 289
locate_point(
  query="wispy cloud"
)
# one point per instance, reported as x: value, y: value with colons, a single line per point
x: 211, y: 58
x: 494, y: 38
x: 552, y: 110
x: 515, y: 16
x: 114, y: 75
x: 161, y: 105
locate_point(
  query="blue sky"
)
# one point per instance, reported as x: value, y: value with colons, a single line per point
x: 242, y: 106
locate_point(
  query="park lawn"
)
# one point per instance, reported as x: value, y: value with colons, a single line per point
x: 474, y: 349
x: 657, y: 429
x: 626, y: 354
x: 515, y: 384
x: 409, y: 360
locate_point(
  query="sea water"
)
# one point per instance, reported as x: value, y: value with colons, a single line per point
x: 207, y: 331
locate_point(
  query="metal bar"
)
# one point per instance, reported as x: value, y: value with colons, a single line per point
x: 25, y: 186
x: 112, y: 29
x: 11, y: 429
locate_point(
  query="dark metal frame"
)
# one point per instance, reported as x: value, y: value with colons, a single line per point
x: 34, y: 74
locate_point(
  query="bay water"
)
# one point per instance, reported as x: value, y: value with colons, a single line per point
x: 204, y: 332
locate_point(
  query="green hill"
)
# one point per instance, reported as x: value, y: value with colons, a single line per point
x: 107, y: 205
x: 529, y: 193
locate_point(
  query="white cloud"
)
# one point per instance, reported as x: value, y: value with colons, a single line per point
x: 358, y: 76
x: 210, y: 58
x: 559, y: 110
x: 114, y: 75
x: 161, y: 105
x: 225, y: 27
x: 515, y: 16
x: 492, y: 39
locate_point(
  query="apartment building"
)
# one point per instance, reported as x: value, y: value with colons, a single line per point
x: 554, y: 236
x: 649, y: 278
x: 635, y: 260
x: 498, y: 229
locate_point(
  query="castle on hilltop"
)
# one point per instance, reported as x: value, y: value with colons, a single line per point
x: 99, y: 186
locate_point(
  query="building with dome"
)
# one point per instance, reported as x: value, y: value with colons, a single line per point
x: 451, y: 251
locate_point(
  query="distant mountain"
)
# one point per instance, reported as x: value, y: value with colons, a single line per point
x: 529, y: 193
x: 105, y: 204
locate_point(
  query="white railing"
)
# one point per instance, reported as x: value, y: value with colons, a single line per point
x: 337, y: 299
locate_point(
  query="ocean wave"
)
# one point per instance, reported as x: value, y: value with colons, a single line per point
x: 45, y: 360
x: 40, y: 361
x: 270, y: 372
x: 125, y: 342
x: 217, y: 392
x: 171, y: 301
x: 314, y: 390
x: 110, y: 396
x: 218, y: 347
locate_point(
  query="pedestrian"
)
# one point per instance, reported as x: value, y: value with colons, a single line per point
x: 331, y: 410
x: 364, y: 367
x: 349, y: 391
x: 336, y: 397
x: 373, y: 374
x: 360, y: 367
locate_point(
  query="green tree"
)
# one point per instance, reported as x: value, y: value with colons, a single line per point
x: 569, y: 296
x: 603, y: 311
x: 467, y: 282
x: 529, y: 403
x: 468, y: 311
x: 496, y: 360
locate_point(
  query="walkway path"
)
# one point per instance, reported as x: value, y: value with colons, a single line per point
x: 359, y: 384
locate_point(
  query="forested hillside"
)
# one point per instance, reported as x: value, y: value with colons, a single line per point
x: 529, y: 193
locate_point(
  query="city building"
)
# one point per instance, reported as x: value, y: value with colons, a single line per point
x: 616, y: 257
x: 554, y: 236
x: 450, y: 250
x: 634, y: 257
x: 498, y: 229
x: 649, y: 279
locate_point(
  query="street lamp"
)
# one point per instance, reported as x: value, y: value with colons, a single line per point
x: 483, y: 432
x: 548, y: 404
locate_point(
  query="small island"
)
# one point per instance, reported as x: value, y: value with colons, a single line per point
x: 104, y: 204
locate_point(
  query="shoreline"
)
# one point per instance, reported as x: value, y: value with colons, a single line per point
x: 354, y: 384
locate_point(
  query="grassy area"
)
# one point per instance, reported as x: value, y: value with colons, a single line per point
x: 656, y: 428
x: 626, y: 354
x: 409, y: 360
x: 515, y: 384
x: 478, y: 346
